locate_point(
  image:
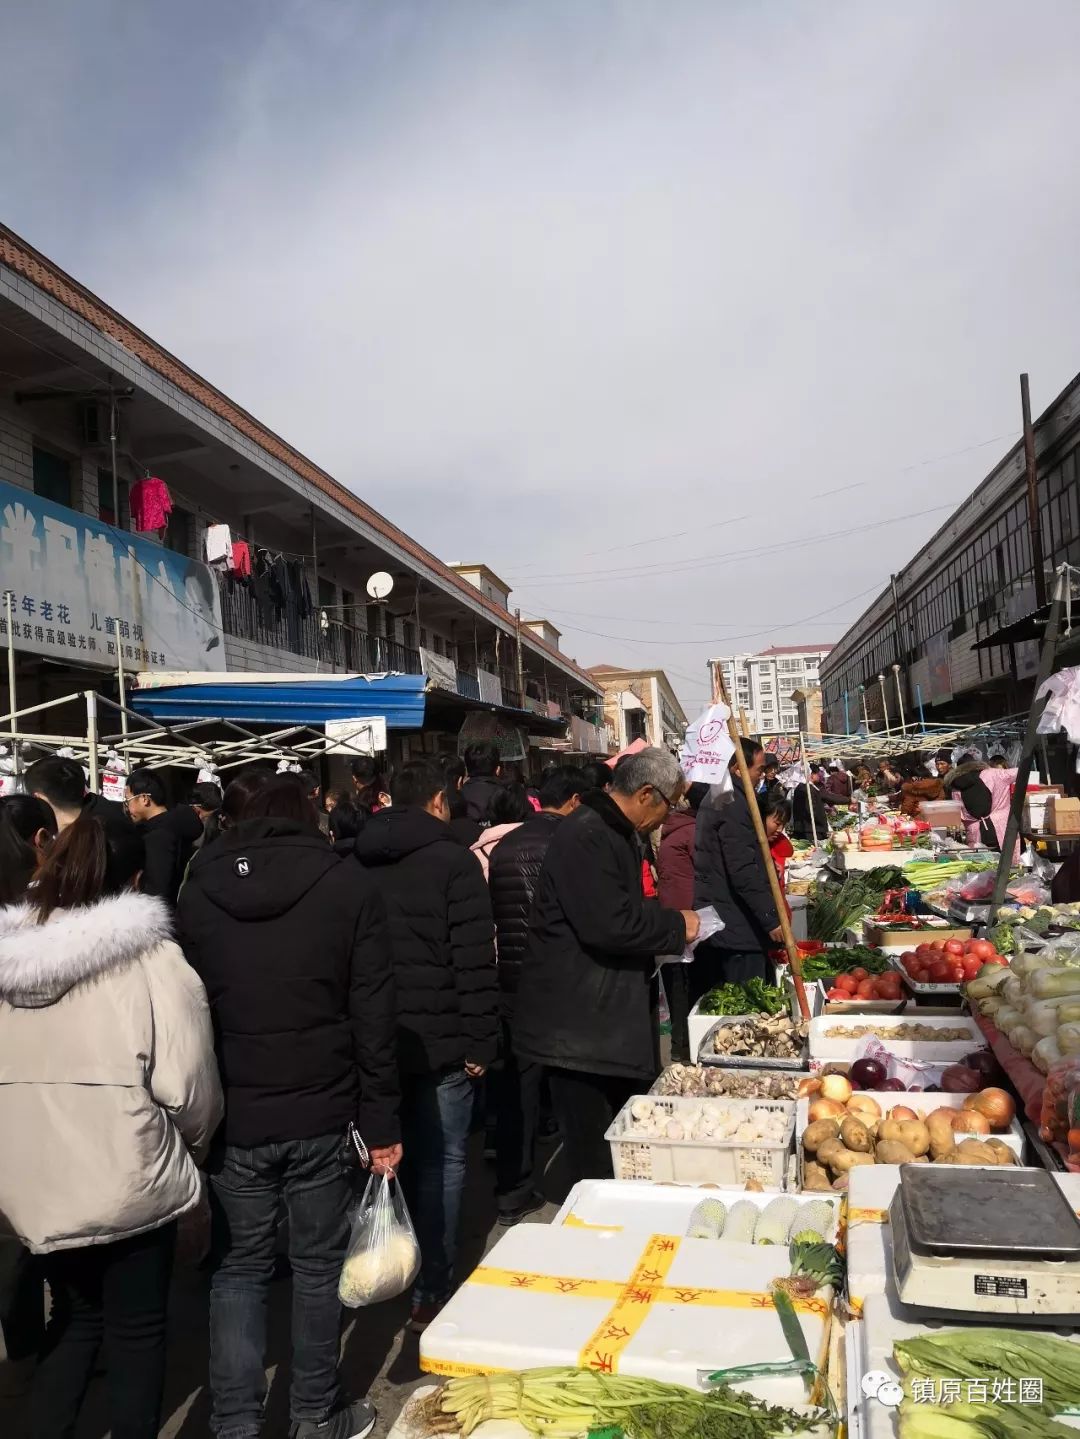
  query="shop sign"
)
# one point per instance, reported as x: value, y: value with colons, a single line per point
x: 84, y: 590
x: 356, y: 736
x: 439, y: 670
x: 508, y: 737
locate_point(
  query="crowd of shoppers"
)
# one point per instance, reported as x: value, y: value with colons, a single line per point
x: 229, y: 984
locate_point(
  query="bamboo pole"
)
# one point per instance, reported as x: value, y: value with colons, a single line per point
x: 744, y: 722
x: 809, y: 788
x: 794, y: 957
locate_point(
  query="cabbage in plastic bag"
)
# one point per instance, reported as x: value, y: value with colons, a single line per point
x: 383, y: 1257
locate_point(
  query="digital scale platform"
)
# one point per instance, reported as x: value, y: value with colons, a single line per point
x: 973, y: 1241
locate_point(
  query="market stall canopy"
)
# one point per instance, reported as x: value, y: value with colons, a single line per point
x: 1027, y: 627
x: 282, y: 699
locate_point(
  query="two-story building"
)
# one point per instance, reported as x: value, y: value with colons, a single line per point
x: 641, y: 705
x: 92, y: 410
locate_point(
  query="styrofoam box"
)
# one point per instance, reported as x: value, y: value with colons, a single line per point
x: 843, y: 1051
x: 922, y: 1104
x: 637, y: 1208
x: 869, y: 1244
x: 869, y: 1350
x: 701, y: 1161
x: 508, y: 1325
x: 699, y: 1025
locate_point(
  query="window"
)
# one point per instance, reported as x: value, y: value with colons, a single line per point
x: 766, y: 687
x: 408, y: 630
x: 178, y: 536
x: 52, y: 477
x: 766, y: 705
x: 109, y: 510
x: 327, y: 594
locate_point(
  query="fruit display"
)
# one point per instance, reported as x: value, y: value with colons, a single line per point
x: 852, y: 1128
x: 949, y: 962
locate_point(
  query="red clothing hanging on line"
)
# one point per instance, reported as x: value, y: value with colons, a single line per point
x: 150, y: 504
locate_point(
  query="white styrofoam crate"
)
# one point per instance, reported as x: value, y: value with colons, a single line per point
x: 494, y: 1322
x: 630, y: 1205
x: 825, y: 1050
x: 707, y: 1161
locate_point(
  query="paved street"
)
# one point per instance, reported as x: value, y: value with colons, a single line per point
x: 379, y: 1357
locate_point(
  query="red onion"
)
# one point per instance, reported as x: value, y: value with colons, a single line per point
x: 868, y: 1074
x: 960, y: 1079
x: 893, y: 1084
x: 983, y: 1061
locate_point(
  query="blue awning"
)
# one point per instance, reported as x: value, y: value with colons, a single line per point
x: 288, y: 701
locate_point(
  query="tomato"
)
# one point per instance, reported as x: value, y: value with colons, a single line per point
x: 847, y: 983
x: 954, y: 946
x: 923, y: 951
x: 982, y: 949
x: 908, y: 957
x: 859, y: 974
x: 995, y: 959
x: 836, y: 994
x: 939, y: 972
x: 866, y: 989
x: 956, y: 973
x: 972, y: 965
x: 920, y: 976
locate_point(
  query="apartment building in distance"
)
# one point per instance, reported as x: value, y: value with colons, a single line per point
x: 764, y: 685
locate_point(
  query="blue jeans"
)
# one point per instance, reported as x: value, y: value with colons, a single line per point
x: 246, y: 1190
x: 436, y: 1119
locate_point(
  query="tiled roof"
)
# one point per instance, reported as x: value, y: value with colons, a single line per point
x: 40, y: 271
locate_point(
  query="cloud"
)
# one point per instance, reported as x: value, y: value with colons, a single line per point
x: 542, y: 282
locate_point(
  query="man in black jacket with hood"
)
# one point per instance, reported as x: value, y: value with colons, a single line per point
x: 513, y: 875
x: 169, y: 835
x: 291, y: 943
x: 586, y: 1003
x: 730, y: 874
x: 443, y: 942
x: 482, y: 765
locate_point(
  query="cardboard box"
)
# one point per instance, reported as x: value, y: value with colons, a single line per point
x: 1063, y: 815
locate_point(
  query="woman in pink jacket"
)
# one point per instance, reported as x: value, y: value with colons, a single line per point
x: 986, y: 796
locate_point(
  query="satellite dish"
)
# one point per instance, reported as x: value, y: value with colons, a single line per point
x: 380, y: 585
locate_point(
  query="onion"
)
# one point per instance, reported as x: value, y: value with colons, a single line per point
x: 894, y: 1086
x: 901, y: 1111
x: 970, y: 1121
x: 984, y: 1062
x: 995, y: 1105
x: 959, y: 1079
x: 825, y: 1109
x: 807, y: 1087
x: 836, y: 1086
x: 867, y: 1074
x: 863, y: 1104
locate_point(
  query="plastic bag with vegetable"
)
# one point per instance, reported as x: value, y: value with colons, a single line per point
x: 383, y: 1257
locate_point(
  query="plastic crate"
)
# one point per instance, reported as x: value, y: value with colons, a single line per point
x: 701, y: 1161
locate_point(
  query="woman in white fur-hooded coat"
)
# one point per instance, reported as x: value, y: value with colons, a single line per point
x: 109, y: 1091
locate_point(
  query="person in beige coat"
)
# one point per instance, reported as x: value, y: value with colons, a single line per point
x: 109, y: 1095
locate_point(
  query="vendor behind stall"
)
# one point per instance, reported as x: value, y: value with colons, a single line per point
x: 985, y: 797
x: 917, y: 786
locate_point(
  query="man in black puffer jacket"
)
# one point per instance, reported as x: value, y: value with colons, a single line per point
x: 513, y: 875
x: 443, y: 942
x: 292, y: 945
x: 586, y: 1005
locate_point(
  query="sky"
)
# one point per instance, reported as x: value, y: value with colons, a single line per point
x: 690, y: 318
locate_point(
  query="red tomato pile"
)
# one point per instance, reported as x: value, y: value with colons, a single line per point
x: 858, y: 984
x: 953, y: 961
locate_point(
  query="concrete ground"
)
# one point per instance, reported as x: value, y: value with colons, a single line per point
x: 378, y: 1356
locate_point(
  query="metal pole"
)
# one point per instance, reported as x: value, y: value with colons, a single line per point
x: 116, y: 504
x: 899, y: 698
x: 847, y: 714
x: 1023, y: 769
x: 884, y: 704
x: 9, y: 609
x: 520, y: 666
x: 865, y: 715
x: 922, y: 712
x: 1034, y: 527
x: 92, y: 737
x: 794, y: 957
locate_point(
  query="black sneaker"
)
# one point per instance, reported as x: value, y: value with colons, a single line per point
x: 530, y: 1205
x: 354, y: 1422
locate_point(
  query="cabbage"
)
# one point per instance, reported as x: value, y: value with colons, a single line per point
x: 1048, y: 983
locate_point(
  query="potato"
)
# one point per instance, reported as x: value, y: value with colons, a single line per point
x: 941, y: 1133
x: 974, y: 1151
x: 891, y: 1151
x: 1002, y: 1152
x: 818, y: 1133
x: 947, y: 1156
x: 915, y: 1136
x: 855, y: 1136
x: 889, y: 1131
x: 815, y: 1177
x: 840, y: 1182
x: 850, y: 1159
x: 828, y: 1152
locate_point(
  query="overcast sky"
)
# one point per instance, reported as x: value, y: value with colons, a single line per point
x: 613, y: 295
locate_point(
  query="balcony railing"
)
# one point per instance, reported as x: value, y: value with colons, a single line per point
x: 341, y: 646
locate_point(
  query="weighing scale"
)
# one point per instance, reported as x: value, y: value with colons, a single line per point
x: 974, y: 1241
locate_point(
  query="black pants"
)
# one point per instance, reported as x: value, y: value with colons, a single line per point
x: 22, y: 1300
x: 585, y: 1105
x: 517, y: 1116
x: 676, y: 979
x: 116, y: 1293
x: 712, y: 966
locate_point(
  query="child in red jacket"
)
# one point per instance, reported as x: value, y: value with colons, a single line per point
x: 777, y: 815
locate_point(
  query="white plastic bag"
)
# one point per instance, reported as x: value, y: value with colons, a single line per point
x: 711, y: 924
x: 383, y: 1257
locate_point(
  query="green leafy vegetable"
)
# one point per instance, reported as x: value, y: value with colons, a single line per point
x: 752, y: 997
x: 836, y: 909
x: 839, y: 961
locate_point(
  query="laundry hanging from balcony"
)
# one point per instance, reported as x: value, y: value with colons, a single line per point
x: 279, y: 585
x: 150, y: 504
x: 219, y: 551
